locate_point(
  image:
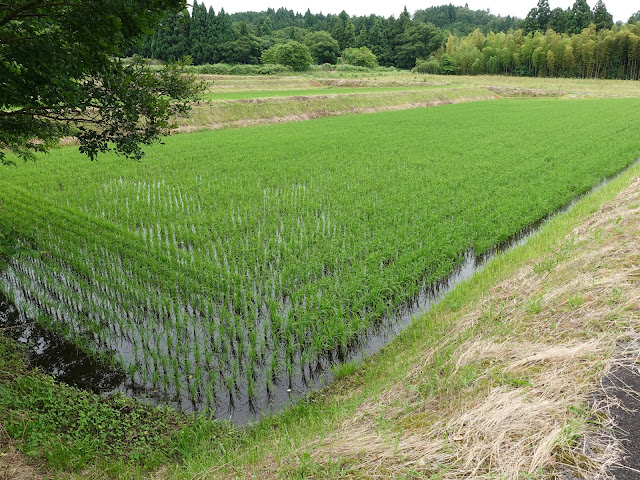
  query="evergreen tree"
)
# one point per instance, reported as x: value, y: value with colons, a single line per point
x: 530, y: 23
x: 210, y: 50
x: 198, y: 33
x: 338, y: 32
x: 601, y: 16
x: 225, y: 34
x: 538, y: 18
x: 343, y: 31
x: 397, y: 28
x: 544, y: 14
x: 403, y: 22
x: 225, y: 28
x: 171, y: 39
x: 379, y: 42
x: 266, y: 27
x: 349, y: 35
x: 558, y: 20
x: 579, y: 17
x: 362, y: 40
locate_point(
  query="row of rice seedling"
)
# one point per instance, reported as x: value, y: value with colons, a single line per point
x: 228, y: 266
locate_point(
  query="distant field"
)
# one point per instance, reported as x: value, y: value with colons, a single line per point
x: 247, y: 94
x: 237, y: 101
x: 227, y: 264
x: 622, y: 88
x: 256, y: 107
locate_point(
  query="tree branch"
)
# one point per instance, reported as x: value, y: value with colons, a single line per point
x: 30, y: 7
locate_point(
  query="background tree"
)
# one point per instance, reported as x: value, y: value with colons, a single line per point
x: 292, y: 54
x: 538, y: 18
x: 558, y: 20
x: 349, y: 35
x: 339, y: 29
x: 379, y: 42
x: 243, y: 50
x: 198, y: 35
x: 360, y: 57
x: 601, y: 16
x: 447, y: 64
x: 60, y: 76
x: 579, y: 17
x: 544, y: 14
x: 530, y: 23
x: 171, y: 40
x: 224, y: 34
x: 323, y: 47
x: 212, y: 32
x: 462, y: 21
x: 418, y: 41
x: 635, y: 18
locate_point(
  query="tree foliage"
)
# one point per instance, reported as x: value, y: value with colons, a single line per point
x: 59, y: 76
x: 323, y: 47
x: 292, y: 54
x: 601, y: 16
x: 606, y: 53
x: 417, y: 41
x: 360, y: 57
x: 579, y: 17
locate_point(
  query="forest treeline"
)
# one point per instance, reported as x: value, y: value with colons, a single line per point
x: 577, y: 42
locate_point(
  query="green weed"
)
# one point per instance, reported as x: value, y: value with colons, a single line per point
x: 343, y: 370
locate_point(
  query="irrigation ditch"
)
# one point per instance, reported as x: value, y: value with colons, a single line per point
x: 52, y: 353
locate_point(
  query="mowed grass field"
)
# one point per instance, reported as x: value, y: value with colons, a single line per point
x: 228, y: 264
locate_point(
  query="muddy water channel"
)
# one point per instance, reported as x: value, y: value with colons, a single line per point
x: 51, y: 352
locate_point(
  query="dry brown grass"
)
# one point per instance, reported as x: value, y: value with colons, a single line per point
x: 16, y: 466
x: 571, y: 86
x: 506, y: 394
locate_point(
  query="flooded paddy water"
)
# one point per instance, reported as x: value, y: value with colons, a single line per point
x: 49, y: 351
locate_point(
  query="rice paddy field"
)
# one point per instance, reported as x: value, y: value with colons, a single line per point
x: 229, y: 269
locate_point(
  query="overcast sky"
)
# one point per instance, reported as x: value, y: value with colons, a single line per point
x: 620, y: 9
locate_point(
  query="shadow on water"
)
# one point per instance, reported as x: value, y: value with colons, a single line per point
x: 68, y: 364
x: 53, y: 354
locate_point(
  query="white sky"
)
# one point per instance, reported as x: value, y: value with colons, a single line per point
x: 620, y: 9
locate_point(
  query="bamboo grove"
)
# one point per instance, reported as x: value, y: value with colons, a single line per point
x: 608, y: 53
x: 232, y: 266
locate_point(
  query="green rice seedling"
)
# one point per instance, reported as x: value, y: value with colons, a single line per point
x: 197, y: 246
